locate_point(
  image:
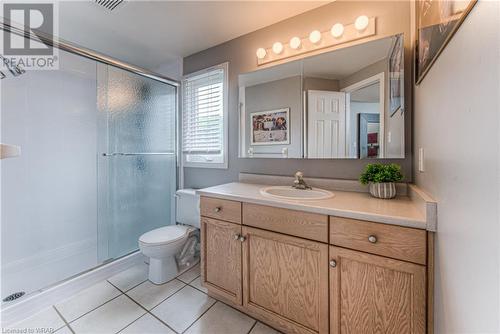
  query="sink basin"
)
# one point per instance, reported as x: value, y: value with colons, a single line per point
x: 287, y: 192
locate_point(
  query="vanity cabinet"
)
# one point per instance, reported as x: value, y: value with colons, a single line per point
x: 285, y: 280
x: 374, y: 294
x: 304, y: 272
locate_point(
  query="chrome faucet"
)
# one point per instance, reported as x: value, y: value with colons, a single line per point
x: 299, y: 182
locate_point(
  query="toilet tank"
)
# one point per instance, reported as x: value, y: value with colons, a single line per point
x: 187, y: 209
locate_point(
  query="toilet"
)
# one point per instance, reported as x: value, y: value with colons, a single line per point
x: 162, y: 244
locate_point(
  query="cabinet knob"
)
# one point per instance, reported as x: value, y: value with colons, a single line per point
x: 372, y: 239
x: 218, y: 209
x: 237, y: 237
x: 333, y: 263
x: 242, y: 238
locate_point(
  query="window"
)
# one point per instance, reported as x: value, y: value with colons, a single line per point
x: 204, y: 121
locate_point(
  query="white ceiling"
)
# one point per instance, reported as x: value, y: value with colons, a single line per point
x: 153, y: 33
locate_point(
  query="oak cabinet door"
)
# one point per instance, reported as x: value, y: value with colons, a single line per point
x: 373, y: 294
x: 285, y: 281
x: 221, y: 259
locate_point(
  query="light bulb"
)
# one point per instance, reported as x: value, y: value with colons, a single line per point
x: 295, y: 43
x: 277, y: 48
x: 261, y: 53
x: 361, y: 22
x: 337, y: 30
x: 315, y: 36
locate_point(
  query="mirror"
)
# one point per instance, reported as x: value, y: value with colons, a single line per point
x: 347, y: 103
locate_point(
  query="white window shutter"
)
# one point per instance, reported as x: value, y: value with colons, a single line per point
x: 203, y: 119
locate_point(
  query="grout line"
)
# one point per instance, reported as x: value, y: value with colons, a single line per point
x: 64, y: 320
x: 134, y: 319
x: 125, y: 293
x: 142, y: 316
x: 191, y: 281
x: 123, y: 290
x: 254, y: 324
x: 184, y: 285
x: 95, y: 308
x: 147, y: 312
x: 256, y: 320
x: 201, y: 315
x: 197, y: 289
x: 194, y: 279
x: 169, y: 295
x: 188, y: 270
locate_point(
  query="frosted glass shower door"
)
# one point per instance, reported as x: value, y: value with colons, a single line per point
x: 137, y: 167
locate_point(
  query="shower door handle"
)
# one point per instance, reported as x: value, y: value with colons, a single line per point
x: 136, y: 153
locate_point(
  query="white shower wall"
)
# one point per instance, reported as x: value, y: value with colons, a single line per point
x: 49, y: 204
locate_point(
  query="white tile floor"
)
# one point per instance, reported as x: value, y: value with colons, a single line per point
x: 128, y: 303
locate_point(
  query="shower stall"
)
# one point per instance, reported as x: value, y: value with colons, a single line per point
x: 97, y: 167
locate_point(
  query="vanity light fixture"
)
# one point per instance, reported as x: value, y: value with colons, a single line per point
x: 361, y: 23
x: 315, y: 36
x: 295, y: 43
x: 337, y: 30
x: 339, y: 33
x: 261, y: 53
x: 277, y: 48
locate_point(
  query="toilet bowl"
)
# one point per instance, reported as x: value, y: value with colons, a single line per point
x: 162, y: 244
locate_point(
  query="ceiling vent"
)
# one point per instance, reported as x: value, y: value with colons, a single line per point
x: 108, y: 4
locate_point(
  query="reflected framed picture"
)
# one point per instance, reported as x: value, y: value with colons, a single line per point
x: 396, y: 76
x: 270, y: 127
x: 437, y: 21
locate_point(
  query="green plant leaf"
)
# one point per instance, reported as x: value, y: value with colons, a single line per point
x: 379, y: 173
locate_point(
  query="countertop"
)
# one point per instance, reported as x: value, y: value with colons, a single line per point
x: 403, y: 210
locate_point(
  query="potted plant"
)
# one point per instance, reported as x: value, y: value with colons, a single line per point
x: 381, y: 179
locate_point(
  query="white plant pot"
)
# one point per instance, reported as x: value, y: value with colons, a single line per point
x: 384, y: 190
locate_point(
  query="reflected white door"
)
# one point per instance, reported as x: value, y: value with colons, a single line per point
x: 326, y: 113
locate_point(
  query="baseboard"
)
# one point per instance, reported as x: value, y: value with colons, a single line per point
x: 38, y: 301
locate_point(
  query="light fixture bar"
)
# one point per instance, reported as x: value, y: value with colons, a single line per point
x: 316, y: 40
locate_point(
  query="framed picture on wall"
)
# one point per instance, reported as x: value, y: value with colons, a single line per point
x: 396, y: 76
x: 437, y: 21
x: 270, y: 127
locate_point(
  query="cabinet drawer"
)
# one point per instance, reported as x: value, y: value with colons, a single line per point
x: 301, y: 224
x: 397, y: 242
x: 221, y: 209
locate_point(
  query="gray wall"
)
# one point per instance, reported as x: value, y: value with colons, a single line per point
x: 457, y: 123
x: 284, y: 93
x: 392, y: 17
x: 311, y: 83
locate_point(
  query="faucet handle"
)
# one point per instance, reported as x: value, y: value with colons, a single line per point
x: 299, y: 175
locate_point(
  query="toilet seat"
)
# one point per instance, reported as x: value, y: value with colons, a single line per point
x: 164, y: 235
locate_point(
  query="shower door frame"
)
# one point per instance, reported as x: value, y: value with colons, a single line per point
x: 87, y: 53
